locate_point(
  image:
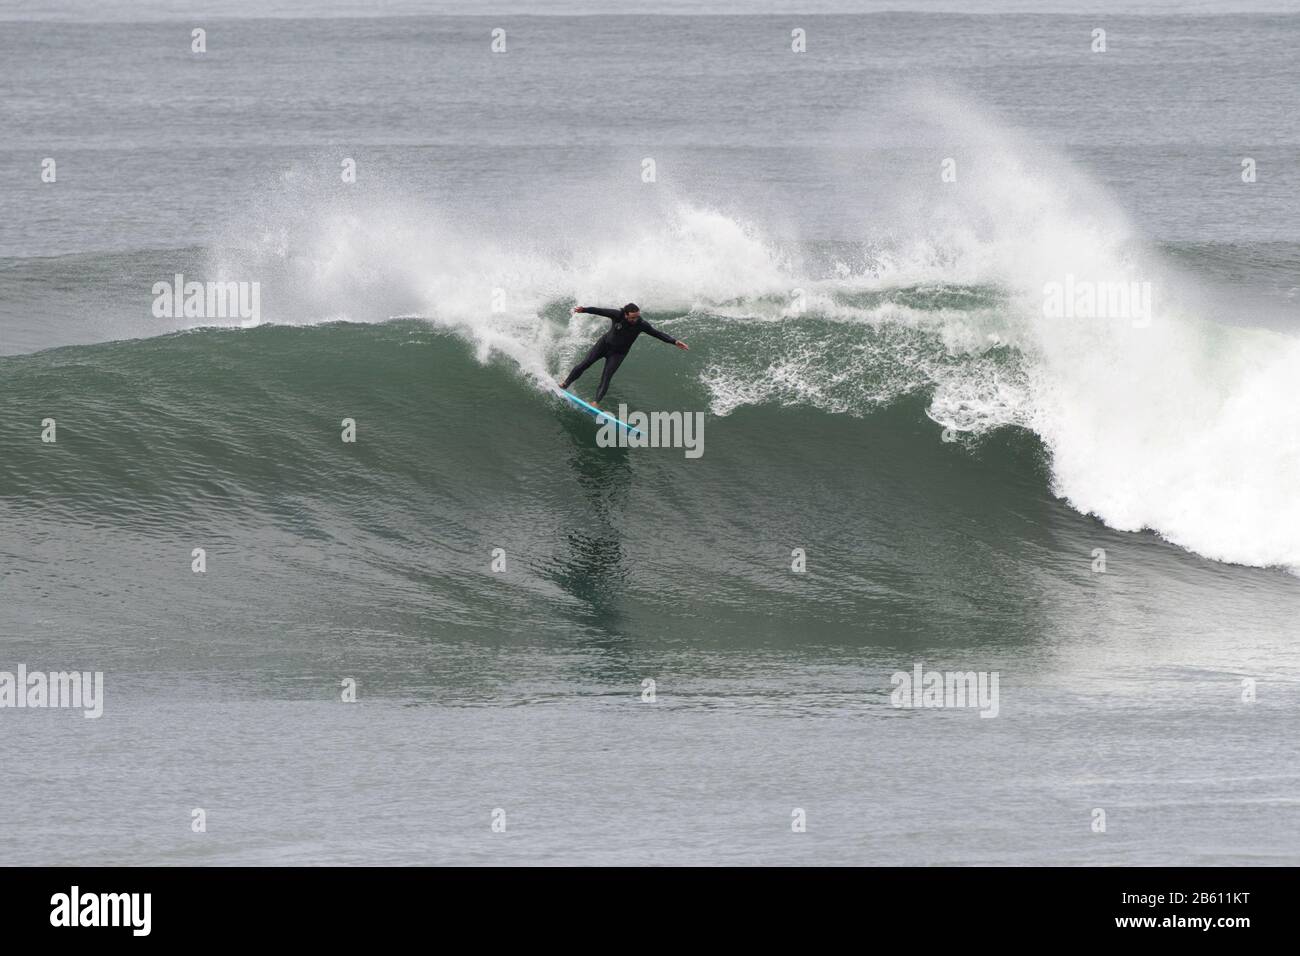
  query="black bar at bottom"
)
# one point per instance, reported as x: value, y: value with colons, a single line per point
x: 944, y: 906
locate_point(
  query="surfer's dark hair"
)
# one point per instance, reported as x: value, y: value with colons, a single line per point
x: 630, y: 308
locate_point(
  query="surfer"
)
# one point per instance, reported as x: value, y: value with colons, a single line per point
x: 613, y: 346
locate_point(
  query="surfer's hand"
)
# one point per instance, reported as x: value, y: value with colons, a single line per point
x: 579, y: 308
x: 683, y: 346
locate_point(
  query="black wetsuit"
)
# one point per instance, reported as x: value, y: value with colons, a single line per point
x: 613, y: 346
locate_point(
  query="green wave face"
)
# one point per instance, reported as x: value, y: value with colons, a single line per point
x: 232, y: 440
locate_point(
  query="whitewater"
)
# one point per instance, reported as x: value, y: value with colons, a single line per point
x: 1177, y: 424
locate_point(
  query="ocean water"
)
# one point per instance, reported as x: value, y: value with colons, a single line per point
x: 857, y: 242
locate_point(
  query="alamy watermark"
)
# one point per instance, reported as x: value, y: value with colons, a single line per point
x: 179, y: 299
x: 1086, y: 299
x: 38, y: 689
x: 931, y: 688
x: 130, y: 910
x: 653, y: 430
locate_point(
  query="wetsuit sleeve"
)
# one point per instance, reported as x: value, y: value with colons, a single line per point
x: 649, y: 329
x: 612, y: 314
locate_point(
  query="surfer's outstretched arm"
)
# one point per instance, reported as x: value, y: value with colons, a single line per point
x: 649, y: 329
x: 611, y: 314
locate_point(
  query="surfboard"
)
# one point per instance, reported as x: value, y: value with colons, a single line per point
x: 600, y: 416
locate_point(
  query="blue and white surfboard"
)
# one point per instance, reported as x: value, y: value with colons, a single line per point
x: 600, y: 416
